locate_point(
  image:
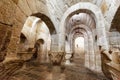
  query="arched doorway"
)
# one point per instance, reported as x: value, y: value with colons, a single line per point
x: 79, y: 46
x: 38, y: 32
x: 79, y: 53
x: 38, y: 49
x: 92, y: 15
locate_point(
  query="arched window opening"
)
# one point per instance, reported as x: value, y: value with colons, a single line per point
x: 79, y: 43
x: 37, y: 48
x: 23, y: 44
x: 79, y: 46
x: 22, y: 38
x: 79, y: 56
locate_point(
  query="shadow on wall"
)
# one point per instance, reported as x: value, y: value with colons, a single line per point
x: 5, y: 44
x: 15, y: 1
x: 37, y: 49
x: 23, y: 45
x: 29, y: 54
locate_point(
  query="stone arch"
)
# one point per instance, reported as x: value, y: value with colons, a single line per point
x: 94, y: 11
x: 81, y: 18
x: 114, y: 30
x: 47, y: 21
x: 84, y: 27
x: 83, y: 32
x: 71, y: 37
x: 37, y: 21
x: 39, y: 50
x: 86, y: 31
x: 74, y: 40
x: 21, y: 14
x: 40, y: 41
x: 115, y: 21
x: 44, y: 18
x: 90, y: 61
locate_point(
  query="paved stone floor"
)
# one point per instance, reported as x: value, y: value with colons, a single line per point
x: 19, y: 70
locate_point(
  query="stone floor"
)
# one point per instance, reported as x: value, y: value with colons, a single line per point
x: 19, y: 70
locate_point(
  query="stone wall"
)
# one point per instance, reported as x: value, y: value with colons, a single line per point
x: 14, y: 13
x: 114, y: 38
x: 5, y: 34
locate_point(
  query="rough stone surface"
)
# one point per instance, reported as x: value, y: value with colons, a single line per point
x: 55, y: 32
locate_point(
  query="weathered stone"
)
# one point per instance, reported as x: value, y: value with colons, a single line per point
x: 56, y: 57
x: 7, y: 11
x: 19, y: 15
x: 56, y: 24
x: 24, y: 7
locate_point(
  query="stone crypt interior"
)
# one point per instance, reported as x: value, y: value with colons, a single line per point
x: 59, y: 39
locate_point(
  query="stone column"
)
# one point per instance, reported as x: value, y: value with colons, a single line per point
x: 14, y: 42
x: 45, y: 53
x: 68, y: 53
x: 86, y: 52
x: 102, y: 38
x: 91, y: 53
x: 57, y: 49
x: 61, y: 39
x: 101, y: 41
x: 67, y: 58
x: 54, y: 43
x: 42, y: 52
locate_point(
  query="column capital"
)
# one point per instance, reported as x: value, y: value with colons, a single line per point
x: 56, y: 57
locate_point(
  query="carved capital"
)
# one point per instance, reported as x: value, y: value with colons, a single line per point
x: 56, y: 57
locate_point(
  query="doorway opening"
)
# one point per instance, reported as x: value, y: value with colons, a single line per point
x: 79, y: 56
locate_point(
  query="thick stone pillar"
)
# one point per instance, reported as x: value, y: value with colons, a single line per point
x: 98, y: 60
x: 102, y: 38
x: 101, y: 41
x: 86, y: 52
x: 56, y: 52
x: 54, y: 43
x: 91, y: 53
x: 42, y: 53
x: 31, y: 39
x: 68, y: 53
x: 61, y: 42
x: 45, y: 58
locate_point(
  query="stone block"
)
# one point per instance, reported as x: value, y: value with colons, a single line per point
x: 24, y: 7
x: 16, y: 30
x: 12, y: 47
x: 7, y: 10
x: 32, y: 5
x: 19, y: 15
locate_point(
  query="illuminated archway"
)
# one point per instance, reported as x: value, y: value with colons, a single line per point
x: 79, y: 50
x: 79, y: 43
x: 95, y: 13
x: 38, y: 37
